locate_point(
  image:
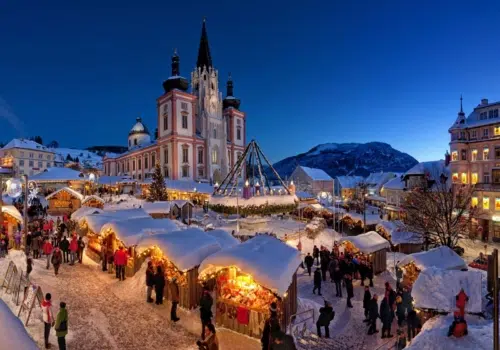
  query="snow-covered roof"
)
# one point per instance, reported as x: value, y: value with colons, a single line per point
x: 432, y: 170
x: 253, y: 201
x: 371, y: 219
x: 82, y: 211
x: 139, y: 128
x: 58, y: 174
x: 12, y: 211
x: 93, y: 197
x: 130, y: 231
x: 160, y: 207
x: 394, y: 184
x: 268, y: 260
x: 114, y: 180
x: 12, y: 332
x: 375, y: 181
x: 369, y: 242
x: 406, y: 237
x: 441, y: 257
x: 131, y: 213
x: 68, y: 190
x: 189, y: 186
x: 316, y: 174
x: 186, y: 249
x: 96, y: 221
x: 437, y: 288
x: 225, y: 239
x: 389, y: 226
x: 181, y: 203
x: 303, y: 195
x: 349, y: 181
x: 25, y: 144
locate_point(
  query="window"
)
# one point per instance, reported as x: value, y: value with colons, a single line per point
x: 133, y: 165
x: 139, y: 164
x: 464, y: 154
x: 238, y: 133
x: 238, y: 155
x: 135, y: 142
x: 21, y: 162
x: 462, y: 135
x: 486, y: 133
x: 49, y: 164
x: 31, y: 155
x: 473, y: 134
x: 495, y: 113
x: 483, y: 115
x: 185, y: 171
x: 146, y: 162
x: 21, y: 172
x: 474, y: 202
x: 464, y: 178
x: 486, y: 203
x: 490, y: 114
x: 184, y: 106
x: 214, y: 133
x: 48, y: 156
x: 486, y: 153
x: 40, y: 156
x: 486, y: 178
x: 497, y: 152
x: 214, y: 156
x: 473, y: 178
x: 200, y: 172
x: 454, y: 156
x: 497, y: 203
x: 165, y: 155
x: 165, y: 122
x: 204, y: 77
x: 200, y: 155
x: 496, y: 130
x: 140, y: 175
x: 166, y: 172
x: 30, y: 163
x: 474, y: 155
x: 165, y: 109
x: 22, y: 154
x: 185, y: 155
x: 184, y: 121
x: 40, y: 164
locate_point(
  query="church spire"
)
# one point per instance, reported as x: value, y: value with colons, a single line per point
x: 175, y: 64
x: 204, y: 58
x: 229, y: 86
x: 230, y: 100
x: 176, y: 81
x: 461, y: 113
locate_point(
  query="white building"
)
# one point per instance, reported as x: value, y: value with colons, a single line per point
x: 26, y: 157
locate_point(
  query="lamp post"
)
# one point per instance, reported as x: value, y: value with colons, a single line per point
x: 25, y: 214
x: 237, y: 211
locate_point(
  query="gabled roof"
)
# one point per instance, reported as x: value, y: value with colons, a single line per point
x: 68, y: 190
x: 12, y: 211
x: 349, y: 181
x: 369, y: 242
x: 58, y: 174
x: 441, y: 257
x: 395, y: 184
x: 93, y: 197
x: 26, y: 144
x: 316, y: 174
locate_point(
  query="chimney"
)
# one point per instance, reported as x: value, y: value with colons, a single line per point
x: 484, y: 102
x: 447, y: 158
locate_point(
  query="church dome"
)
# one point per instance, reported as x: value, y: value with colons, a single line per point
x: 139, y: 128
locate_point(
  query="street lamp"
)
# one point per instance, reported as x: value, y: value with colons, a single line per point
x: 25, y: 214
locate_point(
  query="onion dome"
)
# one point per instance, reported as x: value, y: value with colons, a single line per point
x: 139, y: 128
x: 175, y: 81
x: 230, y: 100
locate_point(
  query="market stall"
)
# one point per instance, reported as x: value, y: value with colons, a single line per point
x: 182, y: 210
x: 180, y: 253
x: 159, y: 209
x: 407, y: 242
x: 11, y: 218
x: 370, y: 247
x: 385, y: 228
x: 248, y: 278
x: 64, y: 201
x: 93, y: 202
x: 441, y: 257
x: 80, y: 213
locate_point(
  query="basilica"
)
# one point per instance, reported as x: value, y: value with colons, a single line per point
x: 200, y: 134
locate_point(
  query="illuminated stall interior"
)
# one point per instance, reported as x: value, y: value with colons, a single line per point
x: 11, y: 218
x: 247, y: 278
x: 93, y: 202
x: 64, y: 201
x: 369, y: 247
x: 185, y: 190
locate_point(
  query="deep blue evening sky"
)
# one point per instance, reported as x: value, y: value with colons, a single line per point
x: 308, y: 72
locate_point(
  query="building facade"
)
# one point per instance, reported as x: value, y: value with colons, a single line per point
x: 475, y: 160
x: 25, y: 157
x: 200, y: 134
x: 314, y: 181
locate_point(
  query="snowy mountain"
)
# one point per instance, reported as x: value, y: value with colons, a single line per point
x: 349, y: 159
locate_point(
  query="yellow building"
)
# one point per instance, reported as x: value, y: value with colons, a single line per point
x: 26, y: 157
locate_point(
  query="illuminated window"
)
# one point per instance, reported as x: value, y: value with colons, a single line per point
x: 454, y: 156
x: 473, y: 202
x: 496, y: 130
x: 474, y: 155
x: 474, y: 178
x: 464, y: 178
x: 215, y: 156
x: 486, y: 203
x: 486, y: 153
x: 455, y: 177
x: 497, y: 203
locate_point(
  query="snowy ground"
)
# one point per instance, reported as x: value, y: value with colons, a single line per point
x: 473, y: 248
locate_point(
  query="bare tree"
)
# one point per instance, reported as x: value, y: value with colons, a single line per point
x: 442, y: 215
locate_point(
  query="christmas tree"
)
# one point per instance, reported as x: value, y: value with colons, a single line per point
x: 157, y: 190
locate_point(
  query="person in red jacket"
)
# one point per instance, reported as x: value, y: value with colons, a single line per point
x: 73, y: 248
x: 47, y: 250
x: 120, y: 262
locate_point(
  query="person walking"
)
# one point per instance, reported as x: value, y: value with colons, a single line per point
x: 316, y: 255
x: 210, y: 342
x: 159, y: 282
x: 29, y: 240
x: 56, y: 260
x: 270, y: 326
x: 309, y: 261
x: 29, y: 267
x: 104, y: 257
x: 61, y: 326
x: 35, y: 245
x: 373, y: 315
x: 414, y: 324
x: 386, y: 317
x: 73, y: 249
x: 317, y: 281
x: 282, y: 341
x: 369, y: 273
x: 337, y: 278
x: 47, y: 250
x: 325, y: 261
x: 331, y: 268
x: 48, y: 318
x: 206, y: 303
x: 349, y: 289
x: 174, y: 295
x: 81, y: 247
x: 326, y: 315
x: 64, y: 245
x: 150, y: 276
x: 120, y: 262
x: 399, y: 276
x: 366, y: 303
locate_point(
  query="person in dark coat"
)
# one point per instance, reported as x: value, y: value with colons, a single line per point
x: 400, y: 310
x: 366, y: 303
x: 369, y: 273
x: 150, y: 276
x: 206, y: 303
x: 282, y: 341
x: 64, y: 245
x: 401, y: 342
x: 325, y: 261
x: 349, y: 289
x: 386, y: 317
x: 316, y: 254
x: 399, y: 276
x: 271, y: 326
x: 81, y: 247
x: 309, y: 261
x: 373, y: 315
x: 159, y: 281
x: 317, y: 281
x: 175, y: 298
x: 331, y: 267
x: 104, y: 258
x: 326, y: 315
x: 414, y: 324
x: 407, y: 300
x: 337, y: 278
x: 391, y: 297
x: 56, y: 260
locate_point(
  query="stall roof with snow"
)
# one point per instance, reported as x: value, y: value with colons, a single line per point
x: 441, y: 257
x: 316, y: 174
x: 58, y: 175
x: 81, y: 212
x: 129, y: 231
x: 437, y: 288
x: 269, y: 261
x: 160, y: 207
x: 96, y: 221
x: 225, y: 239
x: 68, y: 190
x: 302, y: 195
x: 12, y: 211
x: 371, y: 219
x: 93, y: 197
x: 114, y: 180
x: 12, y: 331
x: 406, y: 237
x: 369, y: 242
x: 253, y: 201
x: 389, y: 226
x: 186, y: 249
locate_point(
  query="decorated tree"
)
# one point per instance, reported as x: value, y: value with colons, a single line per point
x: 442, y: 215
x: 157, y: 190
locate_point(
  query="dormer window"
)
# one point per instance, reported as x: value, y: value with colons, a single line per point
x: 135, y: 142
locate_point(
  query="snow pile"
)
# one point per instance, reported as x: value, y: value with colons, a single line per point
x: 160, y: 207
x: 436, y: 289
x: 68, y: 190
x: 316, y: 174
x: 12, y: 331
x: 369, y: 242
x: 270, y: 262
x: 12, y: 211
x: 132, y: 227
x: 58, y: 174
x: 404, y: 237
x: 253, y: 201
x: 434, y: 335
x: 441, y: 257
x: 186, y: 248
x: 224, y: 238
x: 81, y: 212
x: 371, y: 219
x: 123, y: 201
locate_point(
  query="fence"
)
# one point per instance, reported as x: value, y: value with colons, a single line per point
x: 301, y: 318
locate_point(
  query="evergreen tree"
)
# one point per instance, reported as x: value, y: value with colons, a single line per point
x: 157, y: 189
x: 77, y: 160
x: 68, y: 158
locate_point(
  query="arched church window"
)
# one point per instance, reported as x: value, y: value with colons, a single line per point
x: 215, y: 156
x: 212, y: 86
x: 204, y: 77
x: 135, y: 142
x: 215, y: 133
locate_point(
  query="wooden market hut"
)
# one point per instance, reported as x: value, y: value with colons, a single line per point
x: 182, y: 210
x: 64, y: 201
x: 180, y: 253
x: 248, y: 278
x: 385, y: 228
x: 442, y: 257
x: 11, y: 218
x: 93, y: 202
x: 370, y: 246
x: 407, y: 242
x: 159, y: 209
